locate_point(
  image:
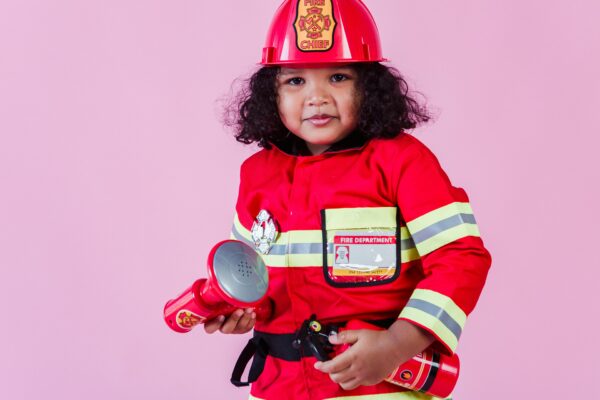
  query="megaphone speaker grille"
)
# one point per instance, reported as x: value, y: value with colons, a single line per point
x: 240, y: 271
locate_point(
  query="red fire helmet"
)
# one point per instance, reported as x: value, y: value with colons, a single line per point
x: 305, y: 32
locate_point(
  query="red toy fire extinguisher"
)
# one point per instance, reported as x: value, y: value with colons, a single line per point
x: 428, y: 372
x: 237, y: 278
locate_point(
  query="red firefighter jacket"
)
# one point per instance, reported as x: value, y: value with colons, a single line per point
x: 370, y: 232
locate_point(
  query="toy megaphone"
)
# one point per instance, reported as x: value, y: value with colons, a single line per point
x: 237, y: 278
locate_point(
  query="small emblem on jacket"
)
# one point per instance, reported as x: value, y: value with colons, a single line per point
x: 406, y: 375
x: 264, y: 232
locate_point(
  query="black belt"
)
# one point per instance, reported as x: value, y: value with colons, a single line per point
x: 279, y: 346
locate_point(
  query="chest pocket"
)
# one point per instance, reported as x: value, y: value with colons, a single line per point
x: 361, y: 246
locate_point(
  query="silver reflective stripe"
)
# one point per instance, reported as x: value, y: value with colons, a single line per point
x: 308, y: 248
x: 276, y: 249
x: 294, y: 248
x: 438, y: 313
x: 442, y: 226
x: 300, y: 248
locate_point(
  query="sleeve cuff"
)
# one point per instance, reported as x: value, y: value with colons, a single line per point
x: 437, y: 314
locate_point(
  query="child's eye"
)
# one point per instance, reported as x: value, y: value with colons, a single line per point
x: 295, y: 81
x: 339, y: 77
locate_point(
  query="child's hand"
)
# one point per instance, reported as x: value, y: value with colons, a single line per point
x: 240, y: 321
x: 370, y: 359
x: 374, y: 354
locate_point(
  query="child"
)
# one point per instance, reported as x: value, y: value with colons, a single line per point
x: 353, y: 216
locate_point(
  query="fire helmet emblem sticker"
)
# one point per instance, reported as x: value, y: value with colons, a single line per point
x: 314, y: 25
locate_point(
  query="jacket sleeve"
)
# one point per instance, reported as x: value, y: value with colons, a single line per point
x: 455, y: 263
x: 238, y: 231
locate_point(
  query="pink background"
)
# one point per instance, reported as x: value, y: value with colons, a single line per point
x: 116, y: 178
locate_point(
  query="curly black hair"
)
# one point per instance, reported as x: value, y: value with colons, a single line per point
x: 386, y: 107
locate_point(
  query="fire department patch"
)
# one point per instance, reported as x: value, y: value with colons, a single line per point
x: 187, y: 319
x: 373, y: 255
x: 314, y: 25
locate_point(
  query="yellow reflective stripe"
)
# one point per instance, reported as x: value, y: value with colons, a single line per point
x: 404, y: 233
x: 293, y: 240
x: 303, y: 236
x: 439, y: 227
x: 314, y: 259
x: 360, y: 218
x: 408, y: 395
x: 445, y: 237
x: 432, y: 323
x: 241, y: 228
x: 437, y: 312
x: 309, y: 260
x: 297, y: 236
x: 274, y: 260
x: 439, y: 214
x: 442, y: 301
x: 409, y: 255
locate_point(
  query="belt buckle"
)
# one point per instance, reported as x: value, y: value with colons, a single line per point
x: 314, y: 336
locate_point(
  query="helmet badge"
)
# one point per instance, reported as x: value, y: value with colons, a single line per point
x: 314, y: 25
x: 264, y: 232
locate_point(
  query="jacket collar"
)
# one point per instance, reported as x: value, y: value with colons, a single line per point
x: 294, y: 146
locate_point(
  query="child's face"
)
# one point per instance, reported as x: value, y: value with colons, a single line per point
x: 319, y: 105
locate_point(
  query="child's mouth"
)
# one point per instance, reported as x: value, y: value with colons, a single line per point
x: 320, y: 120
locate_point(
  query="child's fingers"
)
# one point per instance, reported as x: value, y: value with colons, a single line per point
x: 214, y: 325
x: 337, y: 364
x: 250, y: 321
x: 351, y: 384
x: 246, y: 322
x: 342, y: 376
x: 240, y: 321
x: 349, y: 337
x: 231, y: 322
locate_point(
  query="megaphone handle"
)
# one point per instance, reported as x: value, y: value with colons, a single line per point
x: 264, y: 310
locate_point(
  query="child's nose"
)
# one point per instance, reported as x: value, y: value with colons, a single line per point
x: 318, y: 99
x: 317, y: 95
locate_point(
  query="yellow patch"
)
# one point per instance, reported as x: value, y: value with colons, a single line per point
x: 314, y: 25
